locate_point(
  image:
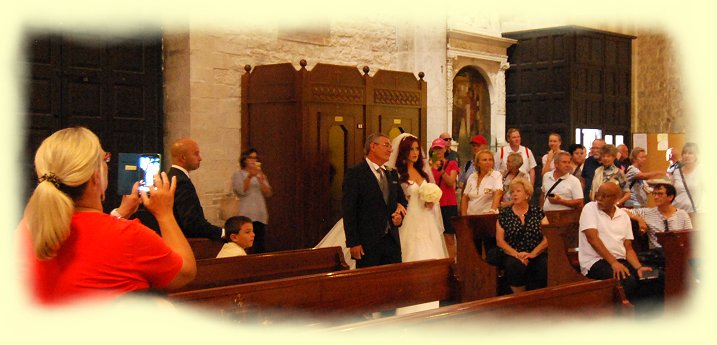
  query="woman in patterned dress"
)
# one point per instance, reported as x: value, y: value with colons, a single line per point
x: 518, y: 234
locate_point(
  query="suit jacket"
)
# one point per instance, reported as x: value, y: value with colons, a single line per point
x: 365, y: 212
x: 188, y: 210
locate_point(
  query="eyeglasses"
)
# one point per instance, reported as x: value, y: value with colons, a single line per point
x: 447, y: 139
x: 108, y: 157
x: 386, y: 145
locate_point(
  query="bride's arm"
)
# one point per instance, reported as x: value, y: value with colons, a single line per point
x: 404, y: 186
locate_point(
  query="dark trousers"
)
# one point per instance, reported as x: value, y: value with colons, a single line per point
x: 259, y: 238
x: 533, y: 276
x: 448, y: 212
x: 386, y: 251
x: 646, y: 295
x: 602, y: 270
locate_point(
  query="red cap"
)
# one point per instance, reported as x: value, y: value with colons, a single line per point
x: 479, y: 139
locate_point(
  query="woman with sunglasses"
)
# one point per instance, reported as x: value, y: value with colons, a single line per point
x: 252, y: 187
x: 77, y: 251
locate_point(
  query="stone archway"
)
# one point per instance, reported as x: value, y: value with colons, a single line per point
x: 485, y: 58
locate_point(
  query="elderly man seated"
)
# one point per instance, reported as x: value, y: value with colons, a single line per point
x: 605, y: 241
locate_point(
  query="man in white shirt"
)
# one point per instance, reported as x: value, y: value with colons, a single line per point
x: 501, y: 156
x: 605, y: 241
x: 561, y: 190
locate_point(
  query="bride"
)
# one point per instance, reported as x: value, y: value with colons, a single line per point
x: 421, y: 233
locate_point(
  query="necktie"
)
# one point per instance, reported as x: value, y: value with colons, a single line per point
x: 383, y: 183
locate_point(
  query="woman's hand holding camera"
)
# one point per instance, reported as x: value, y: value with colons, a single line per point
x: 130, y: 203
x: 161, y: 201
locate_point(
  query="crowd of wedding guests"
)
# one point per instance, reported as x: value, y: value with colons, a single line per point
x: 610, y: 188
x: 397, y: 206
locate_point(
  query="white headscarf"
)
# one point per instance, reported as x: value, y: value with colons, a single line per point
x: 391, y: 164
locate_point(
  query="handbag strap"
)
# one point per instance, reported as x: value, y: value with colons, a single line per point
x: 554, y: 185
x: 684, y: 183
x: 634, y: 179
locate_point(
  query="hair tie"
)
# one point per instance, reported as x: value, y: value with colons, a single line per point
x: 50, y: 177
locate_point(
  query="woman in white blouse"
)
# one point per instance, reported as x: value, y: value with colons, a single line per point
x: 686, y: 180
x: 484, y: 188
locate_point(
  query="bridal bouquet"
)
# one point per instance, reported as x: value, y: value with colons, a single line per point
x: 430, y: 192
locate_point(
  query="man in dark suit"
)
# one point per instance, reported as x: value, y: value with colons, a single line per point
x: 373, y: 207
x: 187, y: 209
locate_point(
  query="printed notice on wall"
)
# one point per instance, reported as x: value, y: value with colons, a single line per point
x: 639, y: 140
x: 662, y: 142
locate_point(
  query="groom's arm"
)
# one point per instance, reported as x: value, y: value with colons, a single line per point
x: 397, y: 217
x: 349, y: 207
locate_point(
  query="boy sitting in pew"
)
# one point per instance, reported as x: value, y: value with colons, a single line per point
x: 239, y: 235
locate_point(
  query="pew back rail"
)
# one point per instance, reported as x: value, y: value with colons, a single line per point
x: 342, y: 293
x: 587, y: 299
x: 259, y: 267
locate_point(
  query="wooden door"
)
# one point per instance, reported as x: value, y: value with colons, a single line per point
x: 111, y: 85
x: 340, y: 147
x: 393, y: 125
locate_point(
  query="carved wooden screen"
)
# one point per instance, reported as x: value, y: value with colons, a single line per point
x: 271, y: 118
x: 334, y: 108
x: 397, y: 104
x: 310, y: 127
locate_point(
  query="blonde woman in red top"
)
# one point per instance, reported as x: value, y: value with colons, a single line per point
x: 77, y: 251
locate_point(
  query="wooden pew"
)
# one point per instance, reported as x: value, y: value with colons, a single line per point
x: 564, y: 217
x: 477, y: 278
x: 563, y: 265
x: 259, y: 267
x: 205, y: 248
x: 337, y: 294
x: 584, y: 299
x: 474, y: 235
x: 640, y: 241
x: 677, y: 247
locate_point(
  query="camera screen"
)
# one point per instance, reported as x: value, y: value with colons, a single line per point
x: 148, y: 166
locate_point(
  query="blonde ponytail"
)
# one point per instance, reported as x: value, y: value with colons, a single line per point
x: 65, y: 161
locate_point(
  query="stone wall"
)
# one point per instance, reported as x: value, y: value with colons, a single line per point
x: 203, y: 70
x: 658, y: 94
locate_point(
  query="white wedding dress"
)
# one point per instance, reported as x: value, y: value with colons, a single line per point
x: 421, y: 237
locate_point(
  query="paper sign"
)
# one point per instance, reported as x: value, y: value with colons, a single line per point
x: 662, y: 142
x: 640, y: 140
